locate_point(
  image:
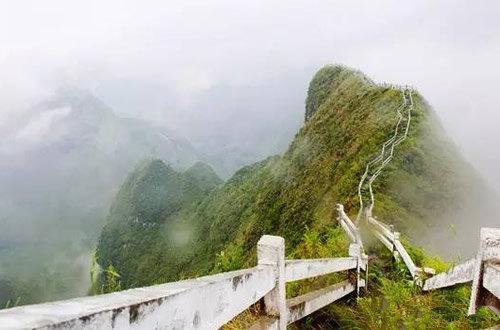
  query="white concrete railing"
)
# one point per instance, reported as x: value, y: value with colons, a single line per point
x: 461, y: 273
x: 356, y: 248
x: 388, y: 146
x: 202, y: 303
x: 280, y: 311
x: 384, y: 233
x: 396, y: 86
x: 390, y: 239
x: 407, y: 103
x: 206, y: 302
x: 300, y: 269
x: 350, y: 229
x: 483, y: 271
x: 490, y: 292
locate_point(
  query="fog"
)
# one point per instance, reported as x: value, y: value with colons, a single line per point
x: 156, y: 60
x: 230, y: 77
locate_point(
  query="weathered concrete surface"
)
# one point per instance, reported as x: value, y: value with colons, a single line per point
x: 390, y: 239
x: 461, y: 273
x: 388, y: 244
x: 203, y: 303
x: 491, y: 279
x: 382, y: 228
x: 356, y: 247
x: 348, y: 231
x: 271, y: 253
x: 346, y: 224
x: 308, y: 303
x: 349, y: 228
x: 211, y: 301
x: 414, y: 270
x: 489, y: 254
x: 300, y: 269
x: 491, y: 282
x: 355, y: 250
x: 490, y: 239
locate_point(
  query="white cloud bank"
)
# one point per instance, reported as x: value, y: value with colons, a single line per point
x: 172, y: 50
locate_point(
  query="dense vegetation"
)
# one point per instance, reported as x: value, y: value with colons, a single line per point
x: 293, y: 195
x: 134, y: 236
x: 57, y: 185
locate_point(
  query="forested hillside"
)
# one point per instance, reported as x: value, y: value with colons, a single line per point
x: 293, y: 195
x: 60, y: 167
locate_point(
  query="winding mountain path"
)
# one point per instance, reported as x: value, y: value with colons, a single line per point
x: 376, y: 165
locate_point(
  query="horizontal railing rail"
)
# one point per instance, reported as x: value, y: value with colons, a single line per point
x: 461, y: 273
x: 286, y: 311
x: 490, y: 293
x: 349, y: 227
x: 301, y: 306
x: 356, y: 248
x: 484, y: 288
x: 209, y: 302
x: 483, y: 271
x: 491, y: 279
x: 174, y: 305
x: 206, y: 302
x: 390, y: 239
x: 300, y: 269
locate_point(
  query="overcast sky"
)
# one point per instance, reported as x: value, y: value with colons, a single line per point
x: 449, y: 50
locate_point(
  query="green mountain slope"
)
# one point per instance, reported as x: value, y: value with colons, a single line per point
x: 60, y: 166
x: 347, y: 118
x: 152, y: 193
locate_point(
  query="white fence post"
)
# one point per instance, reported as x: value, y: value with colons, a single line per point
x: 271, y: 252
x: 395, y: 235
x: 355, y: 251
x: 356, y: 247
x: 489, y: 252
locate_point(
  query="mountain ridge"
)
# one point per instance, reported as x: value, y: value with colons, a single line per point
x: 60, y: 169
x: 293, y: 195
x: 340, y: 155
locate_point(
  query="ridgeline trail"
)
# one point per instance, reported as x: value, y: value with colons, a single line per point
x: 210, y: 302
x: 376, y: 165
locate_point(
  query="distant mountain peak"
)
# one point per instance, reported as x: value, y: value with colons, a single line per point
x: 325, y: 81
